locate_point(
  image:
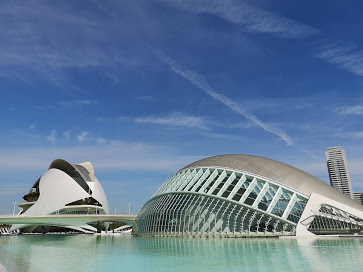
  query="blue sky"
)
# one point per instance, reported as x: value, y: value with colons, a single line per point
x: 143, y: 88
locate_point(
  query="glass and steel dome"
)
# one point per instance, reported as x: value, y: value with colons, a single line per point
x: 232, y: 196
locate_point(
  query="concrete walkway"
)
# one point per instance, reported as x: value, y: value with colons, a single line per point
x: 67, y: 219
x: 73, y: 221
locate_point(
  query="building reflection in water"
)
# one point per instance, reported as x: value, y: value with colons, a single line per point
x: 111, y: 253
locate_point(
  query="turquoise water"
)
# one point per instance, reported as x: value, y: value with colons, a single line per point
x: 125, y: 253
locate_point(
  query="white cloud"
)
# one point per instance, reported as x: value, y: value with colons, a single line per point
x: 104, y: 8
x: 350, y: 110
x: 125, y: 118
x: 52, y: 136
x: 345, y: 55
x: 251, y: 18
x: 145, y: 97
x: 202, y: 84
x: 352, y: 134
x: 178, y: 120
x: 67, y: 134
x: 72, y: 103
x: 30, y: 48
x: 221, y: 136
x: 113, y: 77
x: 24, y: 133
x: 101, y: 140
x: 24, y: 48
x: 116, y: 155
x: 83, y: 136
x: 303, y: 106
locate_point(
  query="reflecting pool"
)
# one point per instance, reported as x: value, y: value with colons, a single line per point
x: 125, y: 253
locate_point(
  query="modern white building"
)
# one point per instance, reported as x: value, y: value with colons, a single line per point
x: 337, y: 164
x: 244, y: 196
x: 64, y: 189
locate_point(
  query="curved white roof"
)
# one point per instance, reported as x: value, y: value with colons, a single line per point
x: 279, y: 172
x: 85, y: 169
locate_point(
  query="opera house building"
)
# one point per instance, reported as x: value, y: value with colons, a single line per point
x: 63, y: 189
x: 244, y: 196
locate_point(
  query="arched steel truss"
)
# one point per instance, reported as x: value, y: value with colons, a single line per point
x: 216, y: 201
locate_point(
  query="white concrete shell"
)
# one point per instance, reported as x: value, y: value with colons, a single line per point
x: 65, y: 189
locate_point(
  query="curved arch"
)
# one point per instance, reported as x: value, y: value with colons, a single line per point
x: 71, y: 171
x: 61, y: 165
x: 283, y: 173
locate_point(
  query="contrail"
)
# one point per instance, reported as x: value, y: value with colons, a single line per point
x: 202, y: 84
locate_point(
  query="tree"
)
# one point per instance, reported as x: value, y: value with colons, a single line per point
x: 99, y: 226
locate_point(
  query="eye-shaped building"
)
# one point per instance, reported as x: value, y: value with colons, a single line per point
x: 64, y: 189
x: 242, y: 196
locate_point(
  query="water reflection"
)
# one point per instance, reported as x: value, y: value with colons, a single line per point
x: 111, y: 253
x: 226, y: 254
x: 333, y: 254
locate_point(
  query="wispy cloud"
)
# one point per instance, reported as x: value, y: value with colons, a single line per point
x: 350, y: 110
x: 344, y: 55
x: 350, y: 135
x: 24, y: 133
x: 251, y: 18
x: 69, y: 137
x: 71, y: 103
x: 31, y: 49
x: 303, y: 106
x: 65, y: 105
x: 113, y: 77
x: 24, y: 48
x: 202, y: 84
x: 277, y: 104
x: 83, y: 136
x: 145, y: 97
x: 104, y: 8
x: 115, y: 155
x: 52, y: 136
x: 67, y: 134
x: 221, y: 136
x: 125, y: 118
x: 176, y: 119
x: 101, y: 140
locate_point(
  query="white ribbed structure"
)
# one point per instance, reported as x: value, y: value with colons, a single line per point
x: 245, y: 196
x: 337, y: 164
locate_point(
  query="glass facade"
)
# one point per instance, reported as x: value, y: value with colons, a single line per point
x: 220, y: 202
x: 330, y: 220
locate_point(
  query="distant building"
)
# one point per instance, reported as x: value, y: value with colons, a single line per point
x: 336, y: 161
x: 358, y: 196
